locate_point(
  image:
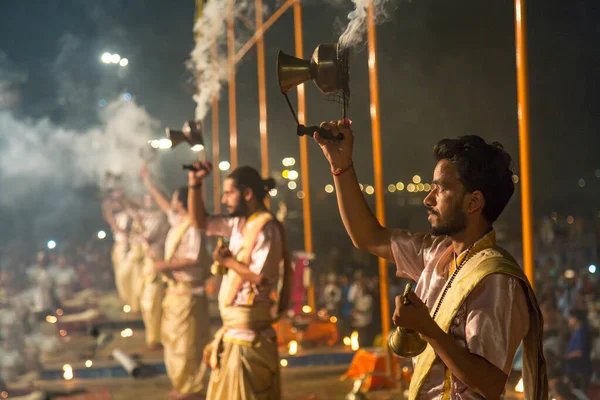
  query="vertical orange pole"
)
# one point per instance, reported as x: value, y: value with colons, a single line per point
x: 262, y: 92
x: 523, y: 115
x: 231, y: 80
x: 215, y: 146
x: 306, y: 212
x: 378, y: 168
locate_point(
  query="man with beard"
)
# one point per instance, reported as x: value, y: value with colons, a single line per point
x: 243, y: 355
x: 473, y: 305
x: 185, y: 326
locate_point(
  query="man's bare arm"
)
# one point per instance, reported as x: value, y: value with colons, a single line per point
x: 175, y: 265
x: 471, y: 369
x: 196, y: 207
x: 243, y: 271
x: 363, y: 228
x: 159, y: 197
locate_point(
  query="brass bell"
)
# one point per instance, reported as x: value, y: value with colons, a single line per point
x: 325, y: 68
x: 218, y: 268
x: 190, y: 133
x: 405, y: 342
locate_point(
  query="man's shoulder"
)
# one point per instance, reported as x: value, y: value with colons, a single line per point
x: 497, y: 255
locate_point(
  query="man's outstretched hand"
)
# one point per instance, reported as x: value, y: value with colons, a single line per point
x: 337, y: 152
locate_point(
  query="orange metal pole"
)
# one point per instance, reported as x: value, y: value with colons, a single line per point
x: 232, y: 101
x: 260, y: 32
x: 262, y: 92
x: 523, y: 115
x: 215, y: 146
x: 378, y: 169
x: 306, y: 212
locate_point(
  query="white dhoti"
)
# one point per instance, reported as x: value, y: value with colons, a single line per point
x: 119, y: 256
x: 185, y: 332
x: 246, y: 371
x: 151, y: 300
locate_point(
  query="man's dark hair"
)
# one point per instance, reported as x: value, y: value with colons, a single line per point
x: 248, y: 177
x: 481, y: 166
x: 182, y: 196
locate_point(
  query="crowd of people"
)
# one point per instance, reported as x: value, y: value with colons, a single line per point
x: 34, y: 286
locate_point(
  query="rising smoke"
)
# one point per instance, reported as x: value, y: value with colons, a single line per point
x: 208, y: 59
x: 354, y: 34
x: 35, y: 152
x: 44, y: 164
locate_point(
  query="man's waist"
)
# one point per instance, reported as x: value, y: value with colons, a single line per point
x: 256, y: 318
x: 186, y: 287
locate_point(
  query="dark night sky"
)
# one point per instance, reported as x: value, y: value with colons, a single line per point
x: 445, y: 69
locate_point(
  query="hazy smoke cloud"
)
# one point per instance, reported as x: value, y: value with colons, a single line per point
x: 355, y: 31
x: 210, y: 69
x: 36, y: 152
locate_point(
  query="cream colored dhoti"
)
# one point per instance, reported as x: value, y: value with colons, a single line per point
x: 151, y: 300
x: 119, y: 255
x: 128, y: 277
x: 246, y: 372
x: 184, y: 331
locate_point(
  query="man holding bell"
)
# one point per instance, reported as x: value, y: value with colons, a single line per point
x: 243, y: 355
x: 473, y: 305
x: 185, y: 326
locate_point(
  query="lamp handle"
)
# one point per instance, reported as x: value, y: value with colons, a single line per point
x: 310, y: 130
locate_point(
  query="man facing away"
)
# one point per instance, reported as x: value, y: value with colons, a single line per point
x: 185, y: 328
x: 243, y: 355
x: 472, y: 304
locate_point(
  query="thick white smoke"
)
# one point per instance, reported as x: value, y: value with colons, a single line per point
x: 35, y: 153
x: 210, y: 30
x: 354, y: 34
x: 209, y: 70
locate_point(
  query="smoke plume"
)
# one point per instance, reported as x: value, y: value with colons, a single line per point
x: 34, y: 153
x: 354, y: 34
x: 208, y: 59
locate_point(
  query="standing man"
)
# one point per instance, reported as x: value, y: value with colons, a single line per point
x: 155, y: 228
x: 243, y: 355
x: 116, y: 216
x: 473, y: 304
x: 185, y: 329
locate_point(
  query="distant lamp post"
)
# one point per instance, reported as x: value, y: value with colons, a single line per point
x: 108, y: 58
x: 224, y: 165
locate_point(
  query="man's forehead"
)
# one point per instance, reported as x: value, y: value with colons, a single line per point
x: 228, y: 184
x: 445, y: 171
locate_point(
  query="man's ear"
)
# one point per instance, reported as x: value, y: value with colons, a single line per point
x: 476, y: 202
x: 247, y: 194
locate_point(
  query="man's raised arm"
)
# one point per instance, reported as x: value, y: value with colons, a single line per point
x: 196, y: 208
x: 364, y: 229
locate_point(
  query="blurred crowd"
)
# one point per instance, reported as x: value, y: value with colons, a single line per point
x: 33, y: 287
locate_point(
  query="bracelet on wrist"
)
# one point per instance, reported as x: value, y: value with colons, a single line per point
x: 339, y: 171
x: 196, y: 186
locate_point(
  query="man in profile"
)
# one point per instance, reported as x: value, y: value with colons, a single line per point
x: 473, y: 305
